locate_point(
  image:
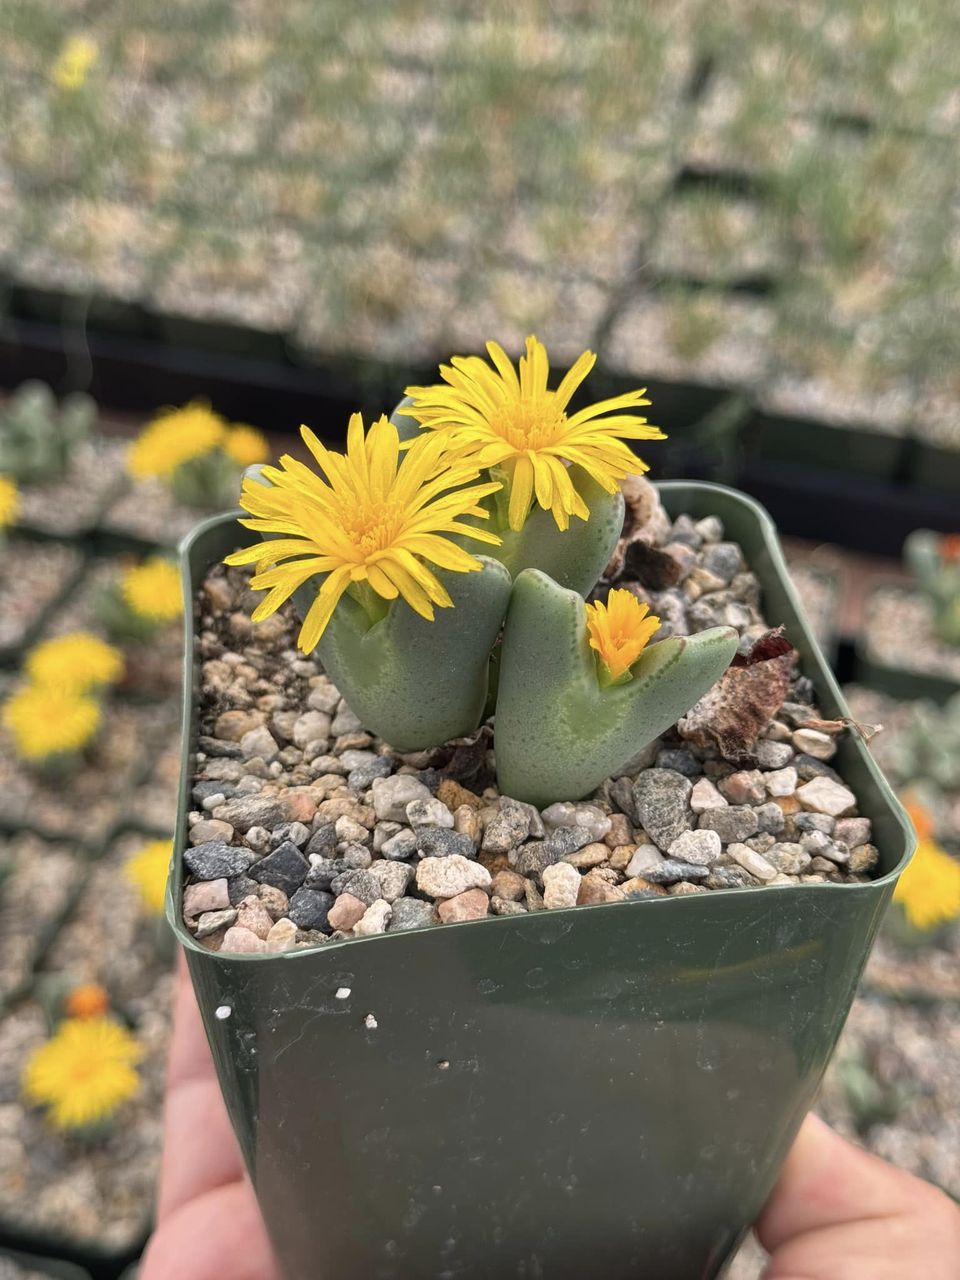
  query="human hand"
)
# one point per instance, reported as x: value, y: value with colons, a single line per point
x: 208, y: 1223
x: 836, y: 1213
x: 839, y: 1213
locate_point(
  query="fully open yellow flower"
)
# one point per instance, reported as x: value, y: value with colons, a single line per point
x: 246, y: 445
x: 148, y: 869
x: 929, y: 889
x: 502, y: 420
x: 152, y: 590
x: 77, y: 661
x: 74, y: 63
x: 83, y: 1072
x: 9, y: 501
x: 174, y: 437
x: 370, y: 520
x: 619, y: 631
x: 48, y: 720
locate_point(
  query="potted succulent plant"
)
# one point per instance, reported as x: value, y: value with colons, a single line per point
x: 927, y: 665
x: 546, y: 1086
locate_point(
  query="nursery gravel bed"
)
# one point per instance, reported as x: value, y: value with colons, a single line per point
x: 47, y: 568
x: 72, y: 505
x: 85, y: 802
x: 149, y: 511
x: 37, y: 880
x: 98, y: 1191
x: 819, y: 590
x: 900, y: 633
x: 152, y: 668
x: 306, y: 827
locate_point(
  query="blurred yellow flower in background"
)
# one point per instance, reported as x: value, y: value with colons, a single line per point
x: 49, y: 720
x: 9, y: 501
x: 174, y: 437
x: 74, y: 63
x: 83, y: 1072
x: 152, y: 590
x: 929, y: 889
x: 619, y: 631
x: 246, y: 445
x: 148, y: 869
x: 500, y: 419
x: 76, y: 662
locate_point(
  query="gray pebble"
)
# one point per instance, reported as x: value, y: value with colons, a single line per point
x: 240, y: 887
x: 438, y: 842
x: 355, y: 856
x: 309, y: 907
x: 814, y: 822
x: 670, y: 870
x: 773, y: 755
x: 807, y: 769
x: 323, y: 841
x: 732, y: 877
x: 770, y: 818
x: 700, y: 847
x: 532, y: 858
x: 661, y: 800
x: 360, y: 778
x: 733, y: 825
x: 754, y: 863
x: 680, y: 760
x: 394, y: 878
x: 362, y: 884
x: 789, y: 858
x: 508, y: 828
x: 411, y: 913
x: 429, y: 812
x: 323, y: 871
x: 286, y: 868
x: 211, y: 921
x: 402, y: 845
x: 296, y: 832
x: 215, y: 858
x: 392, y: 795
x: 724, y: 559
x: 644, y: 857
x: 564, y: 840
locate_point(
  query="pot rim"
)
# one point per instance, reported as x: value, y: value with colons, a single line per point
x: 823, y: 678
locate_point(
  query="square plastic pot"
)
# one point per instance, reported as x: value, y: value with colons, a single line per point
x: 607, y: 1090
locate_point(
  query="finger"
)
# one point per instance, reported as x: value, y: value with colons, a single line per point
x: 199, y: 1149
x: 218, y: 1236
x: 840, y: 1213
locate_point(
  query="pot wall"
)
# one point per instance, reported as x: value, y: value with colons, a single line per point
x: 609, y: 1089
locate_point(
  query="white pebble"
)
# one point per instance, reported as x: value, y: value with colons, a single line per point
x: 370, y: 1022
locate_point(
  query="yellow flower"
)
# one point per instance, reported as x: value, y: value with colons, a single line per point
x: 152, y: 590
x: 9, y: 502
x: 619, y: 632
x: 89, y: 1000
x: 83, y: 1072
x: 174, y: 437
x: 48, y: 720
x: 148, y: 871
x: 76, y: 662
x: 74, y: 63
x: 929, y: 889
x: 246, y: 445
x: 371, y: 520
x: 502, y: 420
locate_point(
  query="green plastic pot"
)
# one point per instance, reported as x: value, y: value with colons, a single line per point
x: 605, y: 1089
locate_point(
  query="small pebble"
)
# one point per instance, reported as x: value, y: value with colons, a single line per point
x: 470, y: 905
x: 561, y: 885
x: 374, y: 920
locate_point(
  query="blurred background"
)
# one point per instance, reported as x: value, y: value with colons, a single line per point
x: 219, y: 220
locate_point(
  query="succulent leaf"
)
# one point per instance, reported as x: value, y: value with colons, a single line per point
x: 558, y: 734
x: 413, y: 682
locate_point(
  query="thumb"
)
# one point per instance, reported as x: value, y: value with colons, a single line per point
x: 839, y: 1213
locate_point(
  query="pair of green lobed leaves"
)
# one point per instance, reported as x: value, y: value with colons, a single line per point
x: 557, y: 734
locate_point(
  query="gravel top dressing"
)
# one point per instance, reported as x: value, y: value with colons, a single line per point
x: 306, y: 828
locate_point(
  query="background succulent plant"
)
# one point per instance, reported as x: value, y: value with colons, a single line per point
x: 38, y: 436
x: 935, y: 563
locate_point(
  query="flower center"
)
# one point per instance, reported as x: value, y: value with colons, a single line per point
x: 529, y: 424
x: 373, y: 526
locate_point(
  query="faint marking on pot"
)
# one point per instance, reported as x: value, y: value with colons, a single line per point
x: 536, y: 978
x: 370, y: 1022
x: 443, y: 1064
x: 222, y: 1012
x: 437, y: 1189
x: 343, y: 993
x: 487, y: 986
